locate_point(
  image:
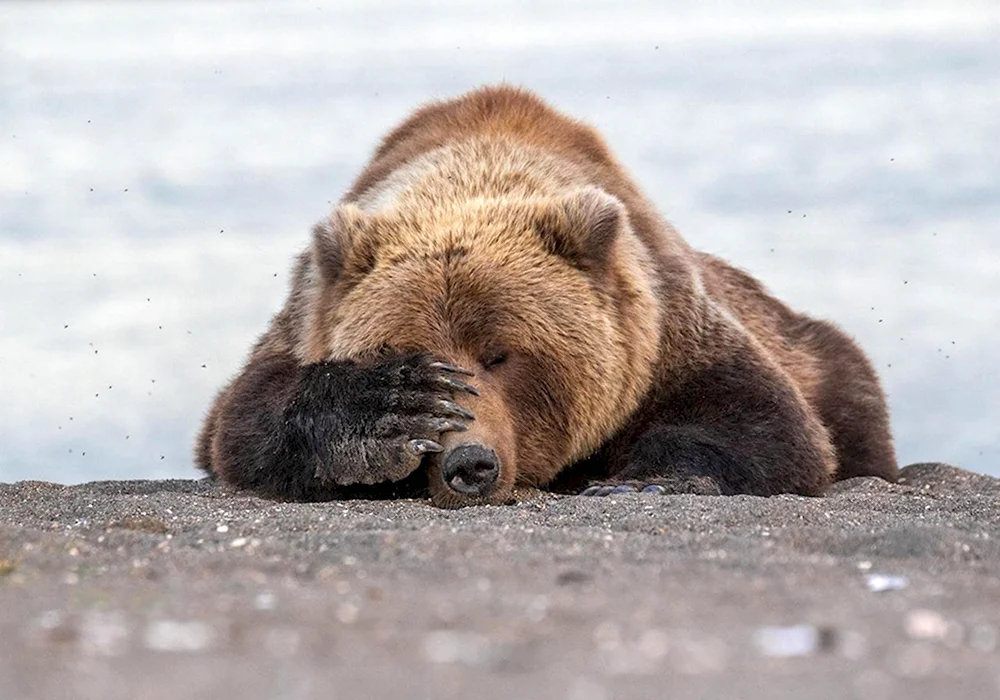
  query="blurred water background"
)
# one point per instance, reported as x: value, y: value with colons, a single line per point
x: 160, y: 165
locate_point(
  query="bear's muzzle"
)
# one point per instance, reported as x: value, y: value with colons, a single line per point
x: 471, y: 469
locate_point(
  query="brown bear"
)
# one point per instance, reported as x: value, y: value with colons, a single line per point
x: 495, y: 304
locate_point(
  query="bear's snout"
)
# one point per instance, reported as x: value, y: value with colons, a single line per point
x: 471, y: 469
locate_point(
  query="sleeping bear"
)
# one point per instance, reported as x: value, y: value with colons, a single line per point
x: 495, y: 304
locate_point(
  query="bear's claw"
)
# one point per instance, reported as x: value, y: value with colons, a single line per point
x: 443, y: 425
x: 456, y: 410
x: 419, y: 447
x: 452, y: 368
x: 458, y: 385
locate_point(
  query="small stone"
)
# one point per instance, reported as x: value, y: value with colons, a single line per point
x: 178, y: 636
x: 50, y: 619
x: 467, y: 648
x: 103, y: 634
x: 983, y: 638
x: 880, y: 583
x: 265, y: 600
x: 607, y: 636
x: 54, y: 628
x: 222, y: 528
x: 925, y: 624
x: 538, y: 609
x: 653, y: 644
x: 239, y: 542
x: 571, y: 576
x: 784, y: 642
x: 347, y: 613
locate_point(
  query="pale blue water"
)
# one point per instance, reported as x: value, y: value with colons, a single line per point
x: 161, y: 164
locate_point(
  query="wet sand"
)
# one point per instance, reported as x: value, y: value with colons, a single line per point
x: 167, y: 589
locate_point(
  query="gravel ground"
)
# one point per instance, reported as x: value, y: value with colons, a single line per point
x: 167, y: 589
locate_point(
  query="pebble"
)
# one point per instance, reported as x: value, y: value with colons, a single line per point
x: 347, y: 613
x: 179, y: 636
x: 653, y: 644
x: 467, y: 648
x: 607, y: 636
x: 50, y: 619
x: 925, y: 624
x: 265, y: 600
x: 880, y: 583
x: 537, y: 609
x: 103, y: 634
x: 53, y: 627
x: 983, y: 638
x: 646, y: 653
x: 785, y: 642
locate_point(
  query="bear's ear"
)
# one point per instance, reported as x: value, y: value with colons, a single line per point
x: 581, y: 227
x: 340, y: 244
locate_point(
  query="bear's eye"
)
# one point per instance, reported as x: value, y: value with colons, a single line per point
x: 494, y: 358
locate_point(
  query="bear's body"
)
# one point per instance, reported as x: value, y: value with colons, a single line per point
x: 494, y: 234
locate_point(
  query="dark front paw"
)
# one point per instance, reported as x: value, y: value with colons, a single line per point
x: 369, y: 424
x: 699, y: 485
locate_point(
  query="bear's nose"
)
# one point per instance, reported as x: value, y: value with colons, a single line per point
x: 471, y: 469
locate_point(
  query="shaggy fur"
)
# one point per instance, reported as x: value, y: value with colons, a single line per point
x: 492, y: 233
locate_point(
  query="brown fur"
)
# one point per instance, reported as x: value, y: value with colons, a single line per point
x: 491, y: 222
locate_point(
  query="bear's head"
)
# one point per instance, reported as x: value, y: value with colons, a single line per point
x: 549, y: 301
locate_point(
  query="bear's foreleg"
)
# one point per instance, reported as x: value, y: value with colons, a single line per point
x: 303, y: 432
x: 735, y: 426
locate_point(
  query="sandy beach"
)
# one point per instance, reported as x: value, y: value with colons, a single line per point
x: 166, y: 589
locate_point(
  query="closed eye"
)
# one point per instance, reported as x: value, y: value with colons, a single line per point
x: 494, y: 359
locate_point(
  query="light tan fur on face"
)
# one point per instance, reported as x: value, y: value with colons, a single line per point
x: 457, y: 243
x: 440, y: 271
